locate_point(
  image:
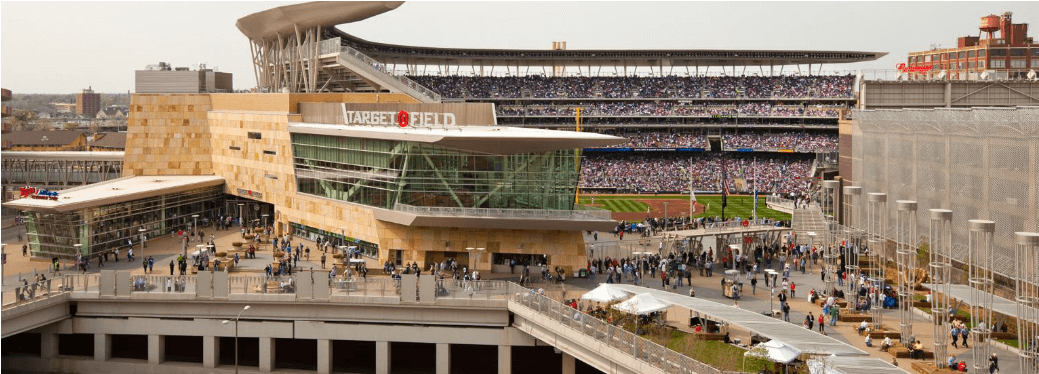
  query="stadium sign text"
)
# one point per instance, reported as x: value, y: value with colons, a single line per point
x: 902, y: 67
x: 401, y: 118
x: 38, y: 193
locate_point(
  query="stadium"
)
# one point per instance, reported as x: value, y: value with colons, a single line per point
x: 514, y: 160
x: 517, y: 164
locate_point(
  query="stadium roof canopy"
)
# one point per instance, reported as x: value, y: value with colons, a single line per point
x: 287, y: 20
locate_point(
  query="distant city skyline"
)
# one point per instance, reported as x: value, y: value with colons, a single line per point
x: 100, y: 44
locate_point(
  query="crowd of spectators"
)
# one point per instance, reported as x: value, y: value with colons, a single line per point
x: 660, y: 139
x: 793, y: 86
x: 783, y: 175
x: 803, y: 141
x: 669, y: 109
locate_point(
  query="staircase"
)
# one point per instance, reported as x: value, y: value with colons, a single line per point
x: 807, y: 220
x: 375, y: 73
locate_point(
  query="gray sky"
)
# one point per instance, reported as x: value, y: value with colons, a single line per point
x: 62, y: 47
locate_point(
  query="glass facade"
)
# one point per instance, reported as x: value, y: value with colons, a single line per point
x: 104, y: 228
x: 383, y: 173
x: 320, y: 236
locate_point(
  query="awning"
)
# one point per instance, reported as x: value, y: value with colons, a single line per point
x: 775, y: 351
x: 605, y: 293
x: 642, y: 304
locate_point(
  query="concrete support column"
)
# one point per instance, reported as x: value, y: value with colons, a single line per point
x: 266, y: 354
x: 569, y: 364
x: 504, y: 359
x: 382, y: 357
x: 324, y: 356
x: 48, y: 345
x: 443, y: 358
x: 102, y: 347
x: 210, y: 351
x: 156, y: 349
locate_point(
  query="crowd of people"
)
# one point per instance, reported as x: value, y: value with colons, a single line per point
x: 640, y: 172
x: 802, y: 141
x: 659, y: 139
x: 670, y: 109
x: 535, y: 86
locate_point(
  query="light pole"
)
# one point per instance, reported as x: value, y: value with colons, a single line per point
x: 236, y: 336
x: 3, y: 265
x: 691, y: 195
x: 265, y: 226
x: 142, y: 230
x: 665, y: 216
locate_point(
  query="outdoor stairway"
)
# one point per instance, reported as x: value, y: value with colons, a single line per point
x: 807, y: 220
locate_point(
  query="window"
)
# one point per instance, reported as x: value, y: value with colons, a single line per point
x: 272, y: 153
x: 935, y: 58
x: 912, y: 59
x: 1018, y: 52
x: 950, y: 56
x: 981, y: 53
x: 998, y: 64
x: 255, y: 135
x: 1017, y: 64
x: 1035, y: 51
x: 973, y: 65
x: 963, y: 55
x: 998, y: 53
x: 970, y: 54
x: 234, y: 148
x: 981, y: 64
x: 271, y: 176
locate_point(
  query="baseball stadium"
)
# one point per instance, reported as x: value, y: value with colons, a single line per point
x: 514, y: 163
x: 505, y: 162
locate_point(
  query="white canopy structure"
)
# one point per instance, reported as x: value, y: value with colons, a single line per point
x: 605, y: 293
x: 642, y: 304
x: 775, y: 351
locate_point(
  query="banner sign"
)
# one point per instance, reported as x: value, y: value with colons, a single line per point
x: 38, y: 193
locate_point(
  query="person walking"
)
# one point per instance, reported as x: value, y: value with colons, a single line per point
x: 151, y: 264
x: 145, y: 265
x: 172, y: 265
x: 322, y: 260
x: 754, y: 285
x: 822, y: 325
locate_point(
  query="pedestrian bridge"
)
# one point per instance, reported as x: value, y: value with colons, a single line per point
x: 118, y: 322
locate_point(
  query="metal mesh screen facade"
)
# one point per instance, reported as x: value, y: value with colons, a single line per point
x: 982, y: 163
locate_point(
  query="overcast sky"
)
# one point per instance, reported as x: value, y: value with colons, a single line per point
x: 62, y: 47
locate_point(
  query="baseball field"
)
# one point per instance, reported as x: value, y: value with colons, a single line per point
x: 638, y: 207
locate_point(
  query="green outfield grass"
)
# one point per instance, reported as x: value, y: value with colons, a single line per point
x: 738, y: 205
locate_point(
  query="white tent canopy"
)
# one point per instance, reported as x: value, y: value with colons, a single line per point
x: 775, y: 351
x: 642, y: 304
x: 605, y: 293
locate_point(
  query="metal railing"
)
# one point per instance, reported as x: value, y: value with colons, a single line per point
x: 579, y: 213
x: 162, y: 283
x: 476, y: 290
x: 379, y: 67
x: 359, y: 286
x: 731, y: 225
x: 27, y: 295
x: 615, y: 337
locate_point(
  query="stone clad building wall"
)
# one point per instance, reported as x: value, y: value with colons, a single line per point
x: 244, y: 138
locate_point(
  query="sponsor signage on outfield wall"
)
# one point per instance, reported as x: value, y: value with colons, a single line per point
x: 401, y: 118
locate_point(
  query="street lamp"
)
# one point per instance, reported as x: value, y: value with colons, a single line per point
x: 142, y: 230
x: 3, y: 265
x: 665, y: 216
x: 236, y: 336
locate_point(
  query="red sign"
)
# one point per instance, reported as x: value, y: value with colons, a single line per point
x: 913, y: 69
x: 746, y: 223
x: 37, y: 193
x: 402, y: 119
